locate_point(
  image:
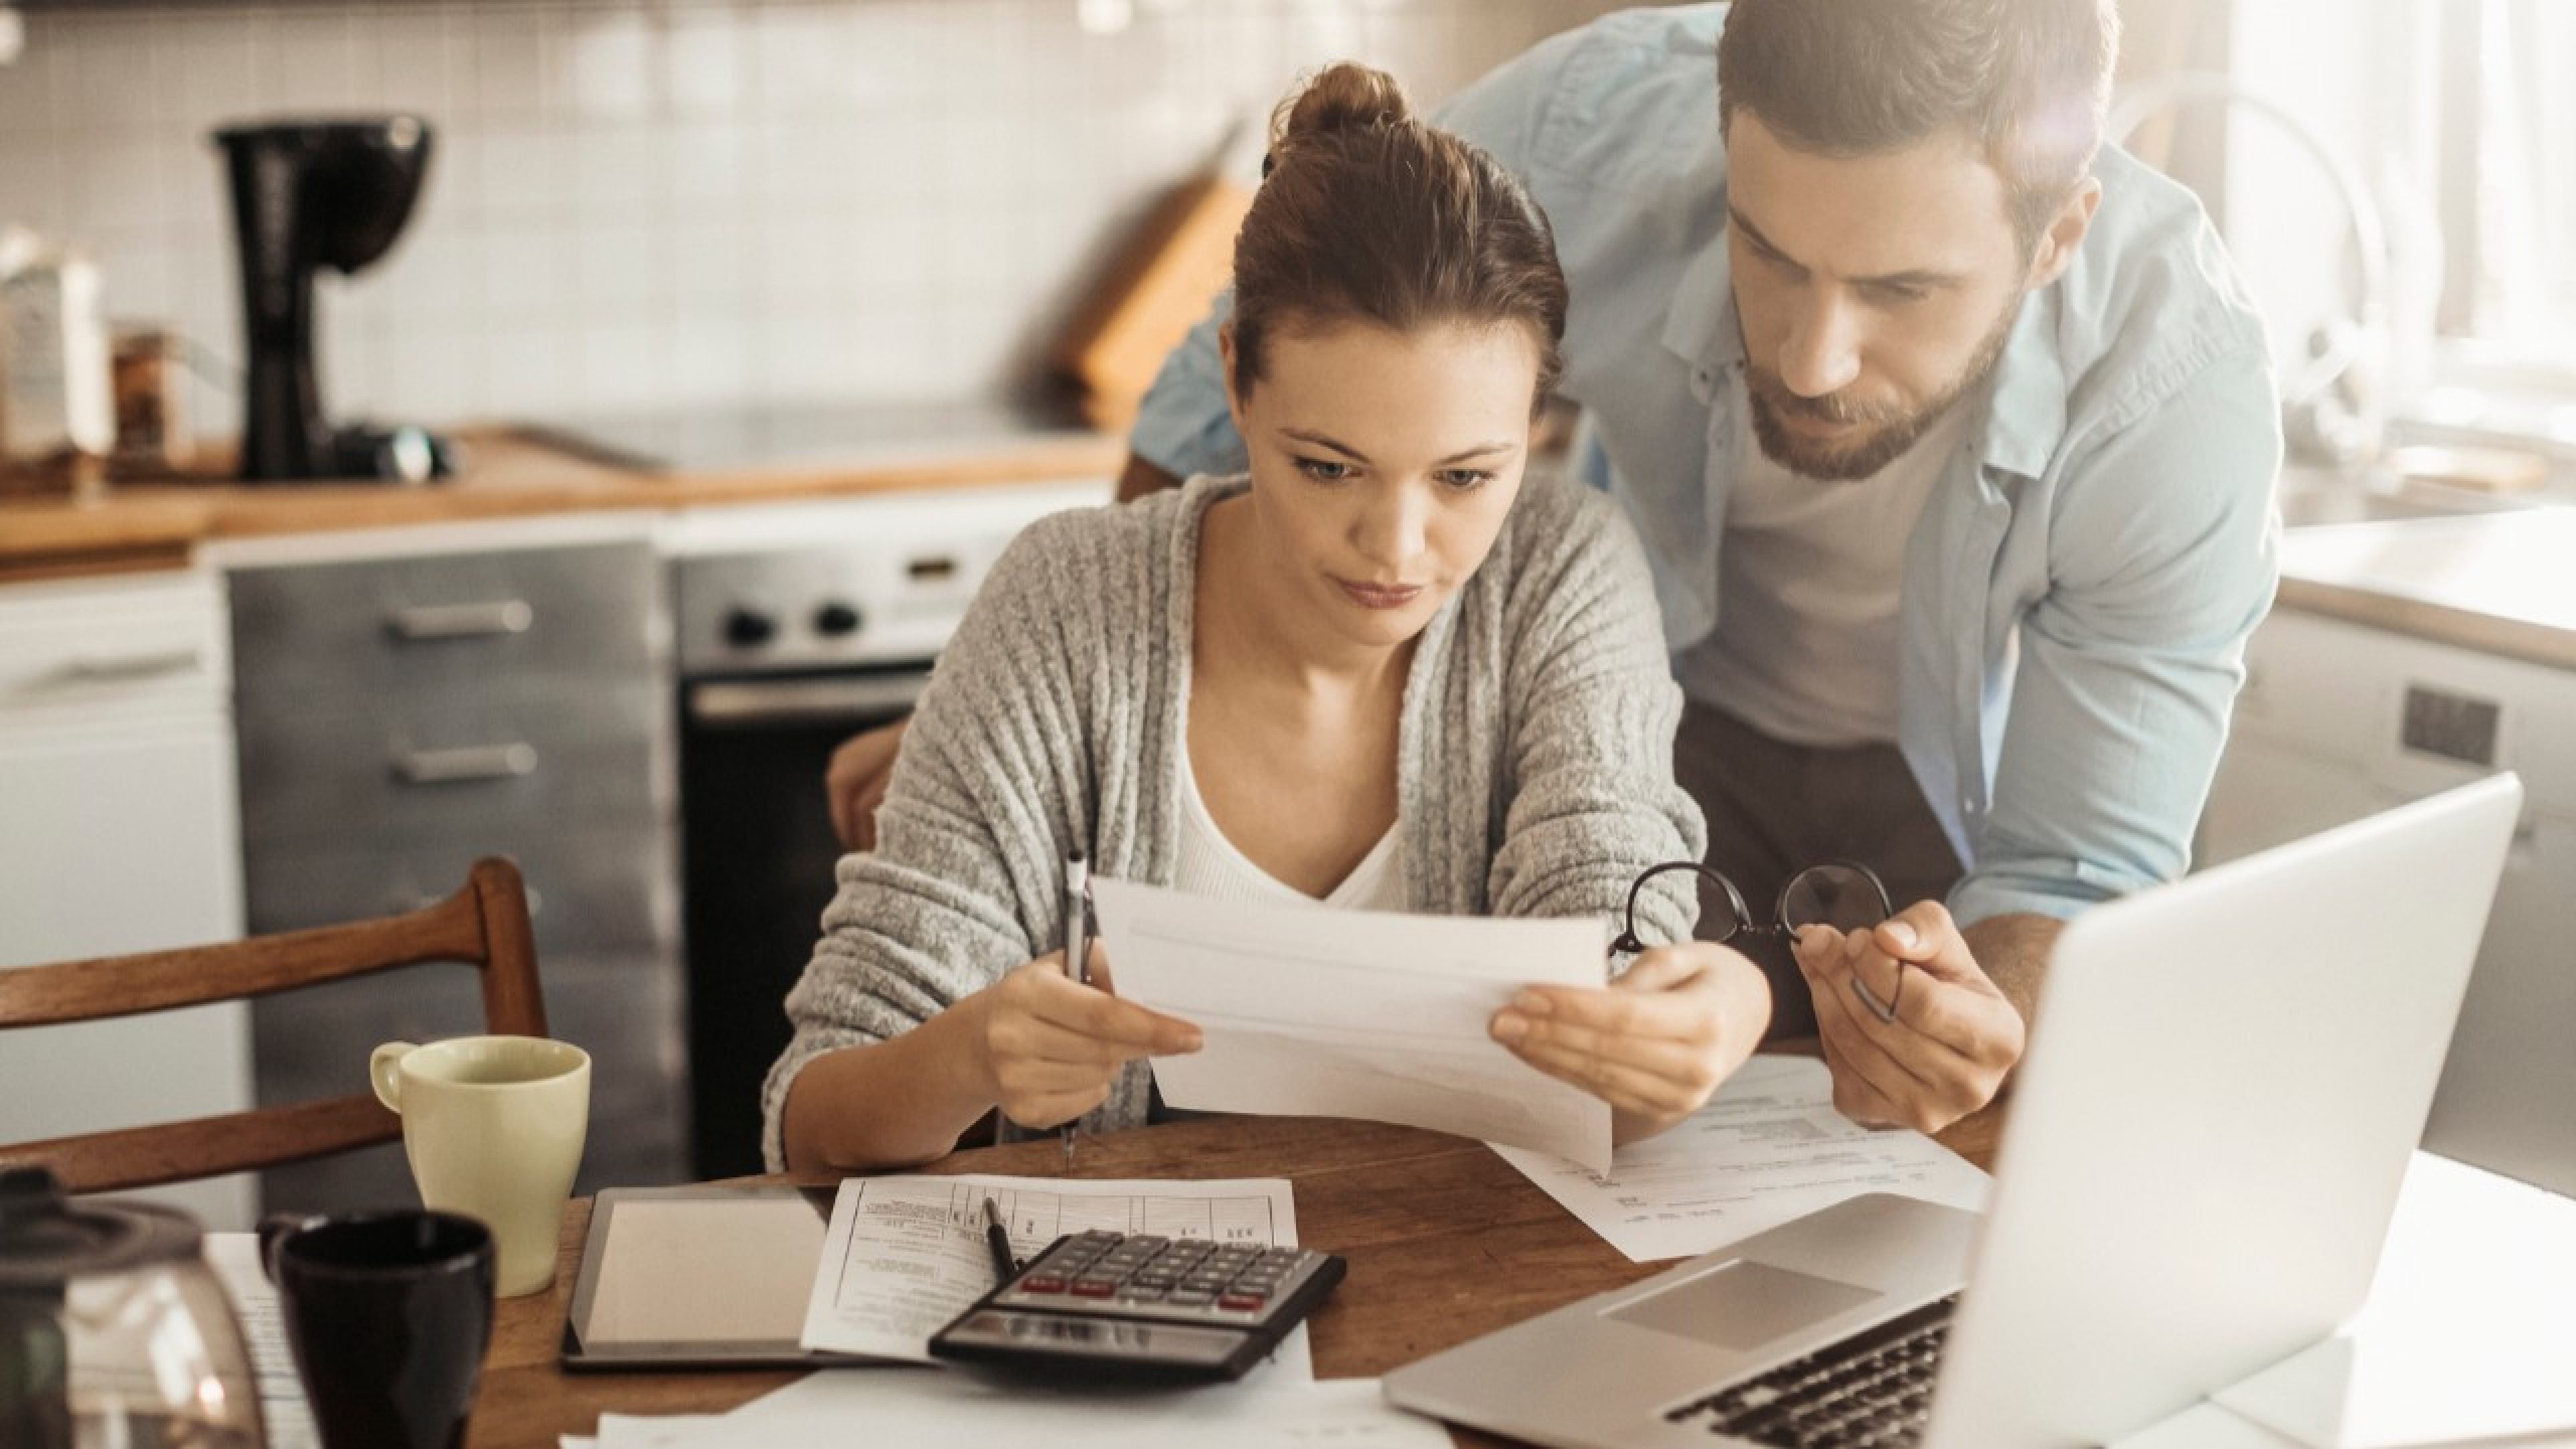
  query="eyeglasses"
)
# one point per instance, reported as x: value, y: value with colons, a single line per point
x: 1843, y: 894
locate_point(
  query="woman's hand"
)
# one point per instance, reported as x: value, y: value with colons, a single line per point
x: 1052, y: 1046
x: 1656, y: 1043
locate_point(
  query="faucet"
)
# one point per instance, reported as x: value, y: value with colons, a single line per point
x: 2331, y: 404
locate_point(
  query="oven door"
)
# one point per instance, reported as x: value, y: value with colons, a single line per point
x: 757, y: 856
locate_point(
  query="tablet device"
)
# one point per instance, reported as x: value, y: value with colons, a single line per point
x: 704, y: 1276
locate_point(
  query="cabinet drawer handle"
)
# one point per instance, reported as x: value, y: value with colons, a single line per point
x: 461, y: 621
x: 473, y: 762
x: 127, y: 667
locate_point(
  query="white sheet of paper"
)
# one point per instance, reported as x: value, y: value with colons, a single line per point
x: 2469, y: 1332
x: 912, y: 1406
x: 1767, y: 1148
x: 642, y: 1431
x: 235, y: 1260
x: 906, y: 1254
x: 1309, y: 1012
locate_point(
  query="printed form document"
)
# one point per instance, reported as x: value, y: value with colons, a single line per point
x: 1767, y: 1148
x: 1367, y: 1014
x: 904, y: 1255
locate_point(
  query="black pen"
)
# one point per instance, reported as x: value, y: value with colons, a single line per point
x: 1004, y: 1265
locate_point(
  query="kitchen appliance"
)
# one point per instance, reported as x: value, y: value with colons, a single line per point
x: 113, y: 1328
x: 798, y: 626
x: 308, y: 195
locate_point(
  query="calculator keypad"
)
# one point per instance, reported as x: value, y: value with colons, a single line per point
x: 1146, y: 1275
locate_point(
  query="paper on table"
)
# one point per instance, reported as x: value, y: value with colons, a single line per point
x: 1767, y: 1148
x: 282, y: 1405
x: 904, y: 1255
x: 1356, y: 1013
x: 2468, y: 1332
x: 641, y: 1431
x: 910, y: 1406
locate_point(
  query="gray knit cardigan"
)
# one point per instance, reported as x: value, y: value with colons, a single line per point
x: 1534, y: 766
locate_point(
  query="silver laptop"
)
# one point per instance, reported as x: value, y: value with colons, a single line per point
x: 2225, y: 1082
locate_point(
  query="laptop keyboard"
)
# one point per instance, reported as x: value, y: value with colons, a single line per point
x: 1861, y: 1392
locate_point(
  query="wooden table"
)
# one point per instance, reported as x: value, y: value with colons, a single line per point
x: 1392, y: 1200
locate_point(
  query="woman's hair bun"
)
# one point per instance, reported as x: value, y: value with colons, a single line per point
x: 1342, y: 97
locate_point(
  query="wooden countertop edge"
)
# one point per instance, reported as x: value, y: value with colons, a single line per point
x: 160, y: 526
x: 2521, y: 639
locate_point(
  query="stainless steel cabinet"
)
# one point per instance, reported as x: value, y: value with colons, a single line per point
x: 401, y: 716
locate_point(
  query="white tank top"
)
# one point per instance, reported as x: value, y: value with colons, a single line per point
x: 1209, y: 865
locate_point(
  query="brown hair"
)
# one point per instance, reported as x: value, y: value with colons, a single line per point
x: 1367, y: 214
x: 2025, y: 79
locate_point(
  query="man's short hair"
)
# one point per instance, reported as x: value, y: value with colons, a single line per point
x: 2027, y: 80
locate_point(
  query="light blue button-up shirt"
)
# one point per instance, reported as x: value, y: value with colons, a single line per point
x: 2078, y: 591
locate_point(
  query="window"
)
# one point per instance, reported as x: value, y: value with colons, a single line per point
x: 2460, y: 117
x: 2507, y: 178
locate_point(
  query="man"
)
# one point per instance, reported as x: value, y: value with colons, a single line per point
x: 1952, y: 440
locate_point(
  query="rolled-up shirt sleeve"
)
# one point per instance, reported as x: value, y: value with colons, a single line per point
x: 2164, y: 556
x: 1183, y: 426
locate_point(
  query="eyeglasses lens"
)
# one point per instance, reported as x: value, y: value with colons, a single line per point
x: 1718, y: 918
x: 1833, y: 895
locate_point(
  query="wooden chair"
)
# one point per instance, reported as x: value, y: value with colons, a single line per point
x: 485, y: 924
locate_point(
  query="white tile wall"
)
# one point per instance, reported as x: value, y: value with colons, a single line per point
x: 643, y: 204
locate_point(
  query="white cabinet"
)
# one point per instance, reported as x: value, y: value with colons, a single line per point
x: 2339, y: 720
x: 119, y: 832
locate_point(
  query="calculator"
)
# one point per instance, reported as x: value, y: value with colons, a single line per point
x: 1138, y: 1305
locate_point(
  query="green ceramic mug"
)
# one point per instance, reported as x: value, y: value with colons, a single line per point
x: 494, y: 1127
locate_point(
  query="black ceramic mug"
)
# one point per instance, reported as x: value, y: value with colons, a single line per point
x: 388, y: 1314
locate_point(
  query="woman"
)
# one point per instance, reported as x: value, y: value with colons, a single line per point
x: 1377, y: 671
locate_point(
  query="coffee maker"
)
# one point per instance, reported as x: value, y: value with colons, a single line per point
x: 306, y: 195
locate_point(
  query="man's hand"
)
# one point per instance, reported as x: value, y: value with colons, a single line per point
x: 1656, y: 1043
x: 1052, y: 1046
x: 1955, y: 1034
x: 856, y: 782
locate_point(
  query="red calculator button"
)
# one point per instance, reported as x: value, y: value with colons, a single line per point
x: 1094, y: 1287
x: 1248, y: 1302
x: 1042, y: 1283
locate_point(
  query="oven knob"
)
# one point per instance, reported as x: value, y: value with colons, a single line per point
x: 749, y: 628
x: 835, y: 619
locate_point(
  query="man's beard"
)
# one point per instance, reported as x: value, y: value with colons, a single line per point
x: 1892, y: 430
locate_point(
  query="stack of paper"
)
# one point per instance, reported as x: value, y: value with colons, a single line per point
x: 1767, y: 1148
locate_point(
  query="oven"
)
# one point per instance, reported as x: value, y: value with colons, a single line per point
x: 797, y: 627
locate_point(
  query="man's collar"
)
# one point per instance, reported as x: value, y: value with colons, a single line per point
x: 1701, y: 329
x: 2026, y: 405
x: 2026, y: 402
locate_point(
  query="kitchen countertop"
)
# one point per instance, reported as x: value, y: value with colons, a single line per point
x: 510, y: 473
x: 2500, y: 583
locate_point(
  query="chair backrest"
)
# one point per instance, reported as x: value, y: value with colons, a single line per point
x: 485, y: 924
